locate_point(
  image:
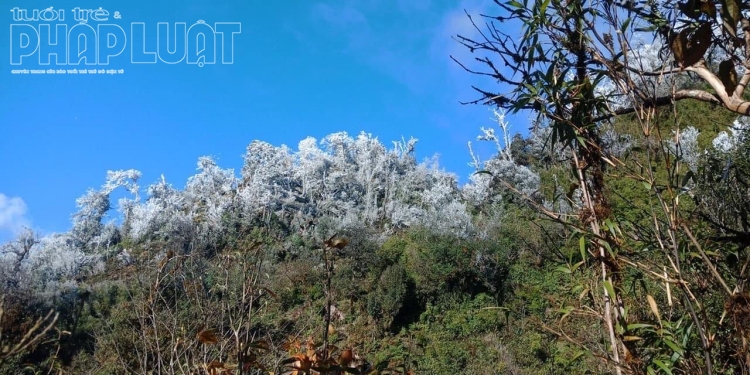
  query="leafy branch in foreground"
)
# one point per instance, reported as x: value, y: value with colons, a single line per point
x: 576, y: 66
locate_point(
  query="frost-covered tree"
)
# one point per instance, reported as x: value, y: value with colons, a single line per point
x: 684, y: 145
x: 87, y: 222
x: 728, y: 140
x: 16, y: 253
x: 208, y: 195
x: 444, y: 210
x: 94, y: 205
x: 267, y: 178
x: 370, y: 159
x: 57, y: 262
x: 722, y: 190
x: 355, y: 180
x: 163, y: 215
x: 483, y: 187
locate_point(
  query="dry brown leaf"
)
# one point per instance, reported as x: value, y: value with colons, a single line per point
x: 339, y: 243
x: 679, y: 45
x: 730, y: 15
x: 303, y: 363
x: 709, y: 8
x: 207, y: 337
x: 728, y: 76
x: 654, y: 307
x: 698, y: 45
x: 689, y: 45
x: 346, y: 357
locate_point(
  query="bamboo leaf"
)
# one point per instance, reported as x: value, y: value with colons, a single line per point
x: 625, y: 25
x: 663, y: 366
x: 672, y: 345
x: 610, y: 290
x: 631, y: 338
x: 582, y: 247
x: 635, y: 326
x: 654, y: 307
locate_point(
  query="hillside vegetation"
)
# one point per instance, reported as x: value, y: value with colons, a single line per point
x: 613, y: 238
x: 433, y: 278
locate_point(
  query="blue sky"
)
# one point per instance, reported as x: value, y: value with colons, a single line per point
x: 308, y: 69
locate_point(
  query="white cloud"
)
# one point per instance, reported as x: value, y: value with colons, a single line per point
x: 12, y: 214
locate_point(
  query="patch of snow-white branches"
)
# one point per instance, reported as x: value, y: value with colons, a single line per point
x: 502, y: 167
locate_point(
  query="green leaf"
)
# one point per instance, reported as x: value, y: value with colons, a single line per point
x: 582, y: 141
x: 575, y: 266
x: 672, y: 345
x: 565, y: 311
x: 663, y: 366
x: 582, y: 247
x: 543, y: 8
x: 578, y: 355
x: 625, y: 25
x: 610, y: 289
x: 635, y: 326
x: 610, y: 226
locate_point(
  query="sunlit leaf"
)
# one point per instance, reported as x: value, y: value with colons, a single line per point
x: 631, y: 338
x: 654, y: 307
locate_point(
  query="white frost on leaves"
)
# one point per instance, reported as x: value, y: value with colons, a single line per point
x: 502, y: 167
x: 207, y: 196
x: 727, y: 141
x: 57, y: 258
x: 161, y: 215
x: 684, y: 145
x: 94, y: 205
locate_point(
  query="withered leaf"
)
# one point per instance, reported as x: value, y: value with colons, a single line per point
x: 678, y: 45
x: 689, y: 47
x: 207, y: 337
x: 653, y: 306
x: 293, y: 345
x: 730, y: 15
x: 708, y: 7
x: 728, y: 76
x: 339, y: 243
x: 346, y: 357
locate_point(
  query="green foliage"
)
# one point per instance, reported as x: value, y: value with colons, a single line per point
x: 388, y: 298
